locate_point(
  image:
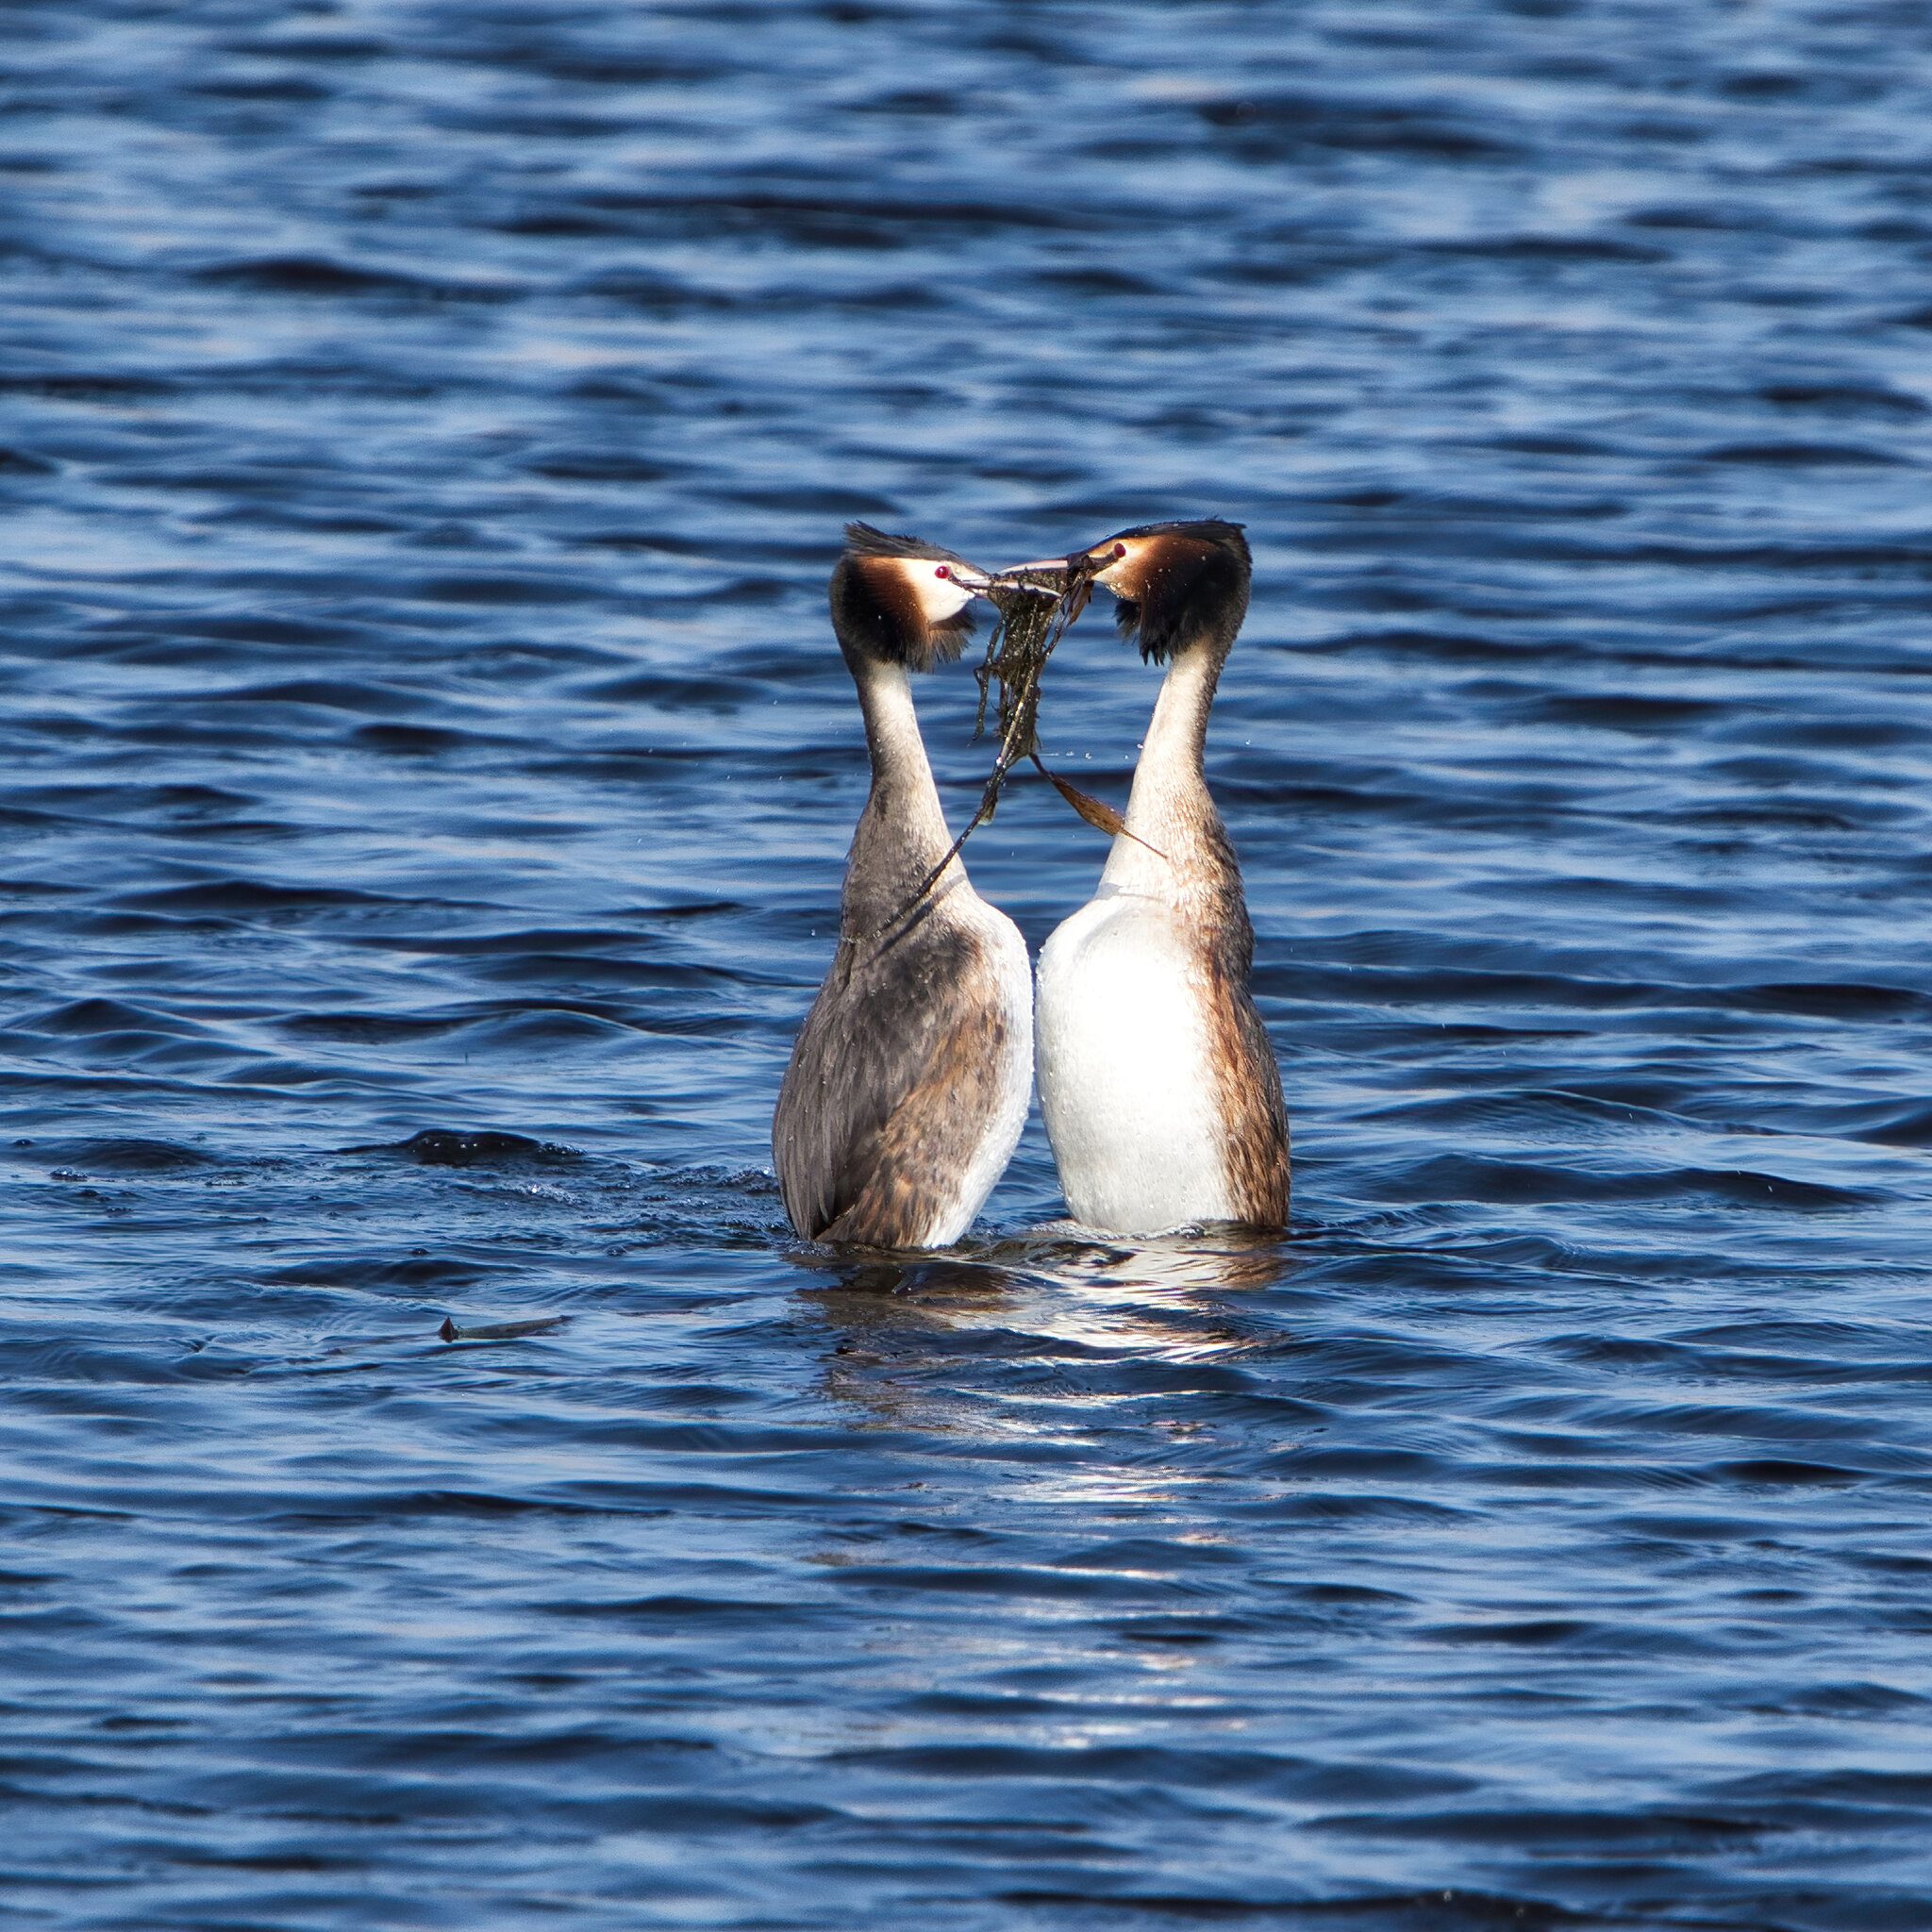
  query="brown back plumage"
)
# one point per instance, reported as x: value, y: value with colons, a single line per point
x: 1254, y: 1113
x: 895, y: 1072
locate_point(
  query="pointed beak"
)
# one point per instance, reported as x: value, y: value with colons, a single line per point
x: 970, y: 577
x: 1020, y: 577
x: 1071, y: 577
x: 1064, y: 576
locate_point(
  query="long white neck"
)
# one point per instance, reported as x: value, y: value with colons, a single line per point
x: 1169, y: 809
x: 899, y: 764
x: 902, y: 834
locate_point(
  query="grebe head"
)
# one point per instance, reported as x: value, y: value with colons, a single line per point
x: 898, y: 600
x: 1177, y: 583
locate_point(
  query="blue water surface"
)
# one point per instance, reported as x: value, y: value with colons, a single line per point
x: 425, y: 777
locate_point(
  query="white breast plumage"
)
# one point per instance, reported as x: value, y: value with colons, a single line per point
x: 1126, y: 1086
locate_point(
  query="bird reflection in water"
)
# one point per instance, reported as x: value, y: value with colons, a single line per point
x: 959, y: 1340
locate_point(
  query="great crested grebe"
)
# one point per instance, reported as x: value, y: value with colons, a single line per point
x: 1161, y: 1091
x: 910, y: 1080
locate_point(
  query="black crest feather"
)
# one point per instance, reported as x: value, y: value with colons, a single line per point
x: 862, y: 539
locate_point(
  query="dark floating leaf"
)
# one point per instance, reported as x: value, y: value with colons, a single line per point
x: 500, y: 1331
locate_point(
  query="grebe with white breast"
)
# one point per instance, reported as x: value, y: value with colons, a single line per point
x: 908, y: 1083
x: 1161, y: 1091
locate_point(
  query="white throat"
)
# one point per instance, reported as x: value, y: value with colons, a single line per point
x: 1169, y: 790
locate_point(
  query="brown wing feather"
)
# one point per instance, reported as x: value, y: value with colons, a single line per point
x: 1254, y: 1114
x: 1253, y: 1110
x: 894, y: 1075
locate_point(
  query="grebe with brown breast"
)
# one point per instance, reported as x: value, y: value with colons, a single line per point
x: 908, y: 1083
x: 1161, y: 1091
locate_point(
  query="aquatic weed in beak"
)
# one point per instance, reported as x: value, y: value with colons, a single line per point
x: 1032, y: 618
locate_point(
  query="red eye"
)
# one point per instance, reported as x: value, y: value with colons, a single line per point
x: 942, y: 571
x: 1119, y: 550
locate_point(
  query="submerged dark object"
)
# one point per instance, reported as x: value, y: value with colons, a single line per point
x: 453, y: 1147
x: 499, y: 1331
